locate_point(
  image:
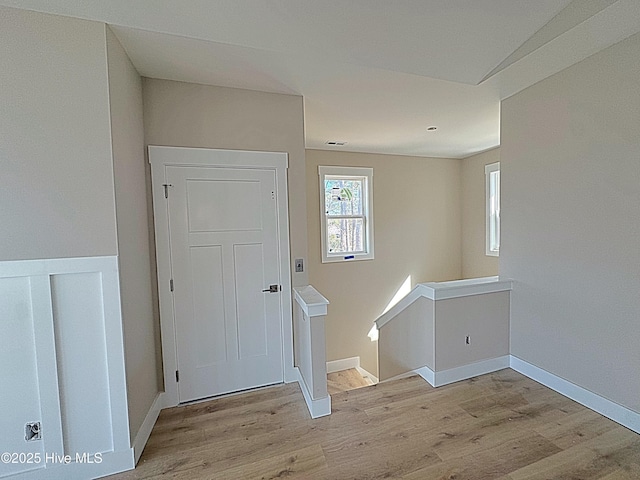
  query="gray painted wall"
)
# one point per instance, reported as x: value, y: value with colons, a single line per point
x: 139, y: 322
x: 57, y: 180
x: 475, y: 262
x: 570, y: 168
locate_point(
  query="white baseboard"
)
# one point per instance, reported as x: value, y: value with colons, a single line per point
x: 317, y: 408
x: 445, y: 377
x: 343, y: 364
x: 427, y: 374
x: 469, y: 371
x: 142, y: 437
x: 410, y: 373
x: 347, y: 363
x: 616, y: 412
x: 368, y: 375
x: 603, y: 406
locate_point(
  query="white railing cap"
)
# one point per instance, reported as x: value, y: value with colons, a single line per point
x: 313, y: 303
x: 465, y: 288
x: 444, y: 290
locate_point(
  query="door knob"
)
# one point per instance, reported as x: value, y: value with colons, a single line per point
x: 273, y: 289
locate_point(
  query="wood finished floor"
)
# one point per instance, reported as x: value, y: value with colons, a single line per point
x: 344, y: 380
x: 497, y: 426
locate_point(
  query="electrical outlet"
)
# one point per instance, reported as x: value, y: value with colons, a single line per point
x: 32, y: 431
x: 467, y: 340
x: 299, y: 265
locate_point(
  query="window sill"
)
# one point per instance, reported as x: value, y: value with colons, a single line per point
x: 347, y: 258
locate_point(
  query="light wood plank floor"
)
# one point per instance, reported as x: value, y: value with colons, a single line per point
x: 497, y: 426
x: 344, y: 380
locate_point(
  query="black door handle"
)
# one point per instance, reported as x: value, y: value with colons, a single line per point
x: 273, y: 289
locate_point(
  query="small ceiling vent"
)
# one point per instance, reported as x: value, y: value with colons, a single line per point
x: 336, y: 144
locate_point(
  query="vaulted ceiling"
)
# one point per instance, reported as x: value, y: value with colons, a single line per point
x: 373, y: 73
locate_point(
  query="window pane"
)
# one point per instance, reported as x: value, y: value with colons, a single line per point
x: 494, y: 199
x: 345, y: 235
x: 343, y: 197
x: 347, y: 213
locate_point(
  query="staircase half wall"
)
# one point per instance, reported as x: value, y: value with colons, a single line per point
x: 447, y: 331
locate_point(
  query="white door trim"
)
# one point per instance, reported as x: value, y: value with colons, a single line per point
x: 161, y: 157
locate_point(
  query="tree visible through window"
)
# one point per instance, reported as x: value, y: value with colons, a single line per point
x: 345, y: 219
x: 346, y: 213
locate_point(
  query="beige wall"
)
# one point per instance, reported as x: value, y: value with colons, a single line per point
x: 57, y: 180
x: 417, y: 233
x: 433, y: 334
x: 475, y: 263
x: 127, y: 130
x: 571, y: 222
x: 484, y: 318
x: 190, y: 115
x: 407, y: 342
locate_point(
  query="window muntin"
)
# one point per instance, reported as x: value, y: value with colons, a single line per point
x: 346, y: 213
x: 492, y: 190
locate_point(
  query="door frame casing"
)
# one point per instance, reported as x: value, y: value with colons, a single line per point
x: 161, y: 157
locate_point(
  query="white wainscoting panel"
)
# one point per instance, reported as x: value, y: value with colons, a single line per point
x: 78, y: 322
x: 63, y: 365
x: 18, y: 360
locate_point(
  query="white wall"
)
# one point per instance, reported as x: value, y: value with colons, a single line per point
x: 475, y: 262
x: 139, y: 322
x: 55, y: 154
x: 570, y: 173
x: 416, y: 204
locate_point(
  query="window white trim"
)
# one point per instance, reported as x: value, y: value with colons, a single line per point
x: 492, y: 209
x: 366, y: 174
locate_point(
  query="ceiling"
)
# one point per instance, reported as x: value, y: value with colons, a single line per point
x: 373, y: 73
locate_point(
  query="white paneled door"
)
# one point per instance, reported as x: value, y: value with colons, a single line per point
x: 225, y: 267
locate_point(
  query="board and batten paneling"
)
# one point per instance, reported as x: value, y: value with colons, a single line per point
x: 64, y: 367
x: 18, y: 358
